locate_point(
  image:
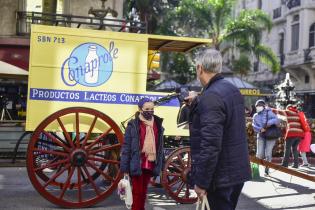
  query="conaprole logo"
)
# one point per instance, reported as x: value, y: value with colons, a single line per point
x: 89, y: 64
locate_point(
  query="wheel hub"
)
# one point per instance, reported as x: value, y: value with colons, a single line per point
x: 78, y: 157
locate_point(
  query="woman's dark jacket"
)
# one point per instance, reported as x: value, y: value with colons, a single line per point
x: 218, y: 136
x: 130, y: 161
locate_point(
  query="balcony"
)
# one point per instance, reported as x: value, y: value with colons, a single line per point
x: 293, y: 3
x: 25, y: 19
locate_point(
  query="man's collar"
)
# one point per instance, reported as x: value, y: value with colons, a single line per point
x: 216, y: 77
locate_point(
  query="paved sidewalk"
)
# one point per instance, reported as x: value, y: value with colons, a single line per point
x: 280, y: 191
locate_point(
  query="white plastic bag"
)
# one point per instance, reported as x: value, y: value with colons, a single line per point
x: 124, y: 191
x: 203, y: 204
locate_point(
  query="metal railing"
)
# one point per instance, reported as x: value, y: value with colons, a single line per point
x: 25, y: 19
x: 293, y: 3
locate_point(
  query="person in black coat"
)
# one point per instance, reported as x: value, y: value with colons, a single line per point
x: 220, y: 161
x: 142, y: 153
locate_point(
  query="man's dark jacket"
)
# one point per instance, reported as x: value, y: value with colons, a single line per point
x: 218, y: 136
x: 130, y: 160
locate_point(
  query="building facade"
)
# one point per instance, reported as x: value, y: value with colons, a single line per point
x: 15, y: 23
x: 292, y: 38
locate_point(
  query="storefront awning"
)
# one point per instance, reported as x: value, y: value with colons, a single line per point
x: 8, y: 70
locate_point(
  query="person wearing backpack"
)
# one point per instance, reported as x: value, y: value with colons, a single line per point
x: 262, y: 119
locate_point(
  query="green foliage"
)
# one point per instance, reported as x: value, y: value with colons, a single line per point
x: 245, y: 31
x: 267, y: 56
x: 242, y: 65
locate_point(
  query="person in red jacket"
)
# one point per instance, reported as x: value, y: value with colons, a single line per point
x: 294, y: 133
x: 305, y: 142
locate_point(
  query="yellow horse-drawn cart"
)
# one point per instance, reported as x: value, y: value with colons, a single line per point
x: 82, y: 85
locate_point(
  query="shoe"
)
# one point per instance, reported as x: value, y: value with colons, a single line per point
x: 266, y: 172
x: 305, y: 165
x: 295, y: 166
x: 283, y: 165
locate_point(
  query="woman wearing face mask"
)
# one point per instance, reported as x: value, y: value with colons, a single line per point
x: 263, y: 119
x: 142, y: 151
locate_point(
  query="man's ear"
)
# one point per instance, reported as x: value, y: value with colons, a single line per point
x: 201, y: 70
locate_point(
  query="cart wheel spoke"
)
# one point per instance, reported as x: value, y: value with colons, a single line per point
x: 89, y: 132
x: 105, y: 148
x: 65, y: 133
x: 173, y: 174
x: 187, y: 191
x: 99, y: 138
x: 105, y: 175
x: 56, y: 175
x: 79, y: 184
x: 91, y: 180
x: 181, y: 162
x: 77, y: 132
x: 176, y: 167
x: 175, y: 180
x: 67, y: 184
x: 179, y: 188
x: 51, y: 165
x: 56, y: 141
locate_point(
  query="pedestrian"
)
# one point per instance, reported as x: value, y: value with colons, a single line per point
x: 262, y: 119
x: 305, y: 143
x: 294, y: 133
x: 219, y: 149
x: 142, y: 151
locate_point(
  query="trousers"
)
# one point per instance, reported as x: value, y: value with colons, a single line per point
x: 225, y: 198
x: 139, y: 189
x: 291, y: 142
x: 264, y: 150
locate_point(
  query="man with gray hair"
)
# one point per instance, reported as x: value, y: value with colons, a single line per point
x: 220, y: 162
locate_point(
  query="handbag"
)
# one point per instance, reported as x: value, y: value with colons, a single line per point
x: 124, y: 191
x: 272, y: 132
x: 203, y: 204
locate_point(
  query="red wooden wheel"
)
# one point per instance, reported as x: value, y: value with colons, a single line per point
x: 77, y: 169
x: 174, y: 176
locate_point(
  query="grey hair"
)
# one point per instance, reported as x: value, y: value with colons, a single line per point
x: 210, y: 60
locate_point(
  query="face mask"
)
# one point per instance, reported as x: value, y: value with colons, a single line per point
x: 259, y: 108
x: 147, y: 114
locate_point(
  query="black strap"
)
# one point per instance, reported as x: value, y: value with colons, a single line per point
x: 266, y: 120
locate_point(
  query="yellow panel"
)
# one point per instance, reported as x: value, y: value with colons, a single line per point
x: 105, y: 71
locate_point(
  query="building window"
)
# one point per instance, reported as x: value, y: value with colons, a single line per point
x: 277, y: 13
x: 312, y: 36
x: 295, y: 36
x: 307, y: 79
x: 296, y: 18
x: 281, y: 44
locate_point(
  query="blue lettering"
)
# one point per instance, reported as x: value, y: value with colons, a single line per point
x: 71, y: 74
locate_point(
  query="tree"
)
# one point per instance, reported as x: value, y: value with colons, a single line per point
x: 246, y: 33
x: 242, y: 65
x: 151, y: 11
x: 212, y: 19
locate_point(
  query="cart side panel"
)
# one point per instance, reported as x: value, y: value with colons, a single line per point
x: 102, y: 70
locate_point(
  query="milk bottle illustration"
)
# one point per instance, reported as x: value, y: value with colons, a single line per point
x: 91, y: 60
